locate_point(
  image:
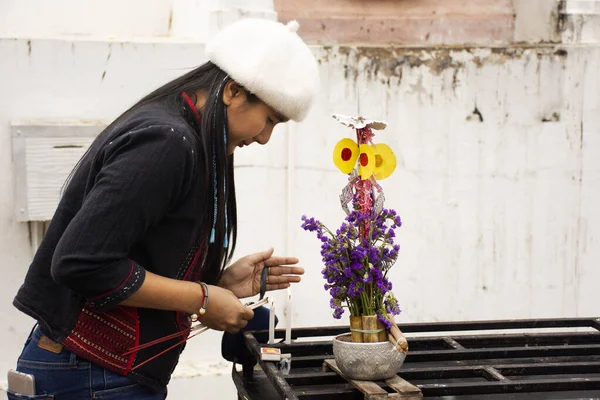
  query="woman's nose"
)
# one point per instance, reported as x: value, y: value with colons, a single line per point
x: 264, y: 137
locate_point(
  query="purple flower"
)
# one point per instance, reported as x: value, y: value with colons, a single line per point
x: 337, y: 308
x: 356, y: 260
x: 337, y: 314
x: 355, y: 289
x: 337, y: 292
x: 359, y: 252
x: 356, y: 266
x: 391, y: 304
x: 311, y: 224
x: 386, y: 322
x: 373, y: 255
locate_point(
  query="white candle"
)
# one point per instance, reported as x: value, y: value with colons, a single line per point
x: 288, y: 320
x: 272, y: 322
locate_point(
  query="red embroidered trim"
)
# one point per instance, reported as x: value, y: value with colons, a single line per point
x: 102, y: 337
x: 137, y: 341
x: 192, y: 274
x: 183, y: 322
x: 111, y: 339
x: 195, y: 272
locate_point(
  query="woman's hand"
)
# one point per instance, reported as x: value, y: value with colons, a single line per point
x: 243, y: 276
x: 225, y: 312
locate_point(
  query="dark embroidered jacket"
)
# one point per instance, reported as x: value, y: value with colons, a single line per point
x: 131, y: 206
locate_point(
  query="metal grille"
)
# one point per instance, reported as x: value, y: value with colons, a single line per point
x: 528, y: 363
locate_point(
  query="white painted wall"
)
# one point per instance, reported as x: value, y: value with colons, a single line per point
x: 106, y: 18
x: 125, y: 20
x: 500, y: 216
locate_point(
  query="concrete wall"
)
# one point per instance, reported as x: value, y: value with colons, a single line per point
x: 498, y: 147
x: 499, y: 169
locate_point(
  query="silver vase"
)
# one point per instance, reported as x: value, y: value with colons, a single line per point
x: 366, y: 361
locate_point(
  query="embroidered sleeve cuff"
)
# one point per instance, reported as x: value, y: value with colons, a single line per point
x: 128, y: 287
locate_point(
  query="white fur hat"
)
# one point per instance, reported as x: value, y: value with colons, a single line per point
x: 271, y: 61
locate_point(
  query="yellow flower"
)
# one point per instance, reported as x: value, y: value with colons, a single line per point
x: 385, y: 161
x: 345, y: 155
x: 366, y: 161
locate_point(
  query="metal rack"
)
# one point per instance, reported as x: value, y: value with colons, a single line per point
x: 456, y: 361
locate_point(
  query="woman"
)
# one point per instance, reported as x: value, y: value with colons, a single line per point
x: 147, y: 223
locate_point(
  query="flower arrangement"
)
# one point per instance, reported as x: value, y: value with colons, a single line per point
x: 358, y: 256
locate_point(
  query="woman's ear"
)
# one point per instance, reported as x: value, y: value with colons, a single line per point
x: 233, y: 93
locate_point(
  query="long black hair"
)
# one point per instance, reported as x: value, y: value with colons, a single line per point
x: 212, y: 154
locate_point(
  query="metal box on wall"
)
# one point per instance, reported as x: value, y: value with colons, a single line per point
x: 43, y: 155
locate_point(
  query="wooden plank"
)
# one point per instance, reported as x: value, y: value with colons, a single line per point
x: 372, y: 391
x: 406, y: 390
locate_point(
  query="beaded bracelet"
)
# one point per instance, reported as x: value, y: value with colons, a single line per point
x: 204, y: 306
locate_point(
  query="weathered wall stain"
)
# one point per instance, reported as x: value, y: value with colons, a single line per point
x: 555, y: 117
x: 385, y: 62
x: 476, y: 115
x: 562, y: 19
x: 106, y: 62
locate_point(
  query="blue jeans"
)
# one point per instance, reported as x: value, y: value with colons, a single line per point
x: 65, y: 376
